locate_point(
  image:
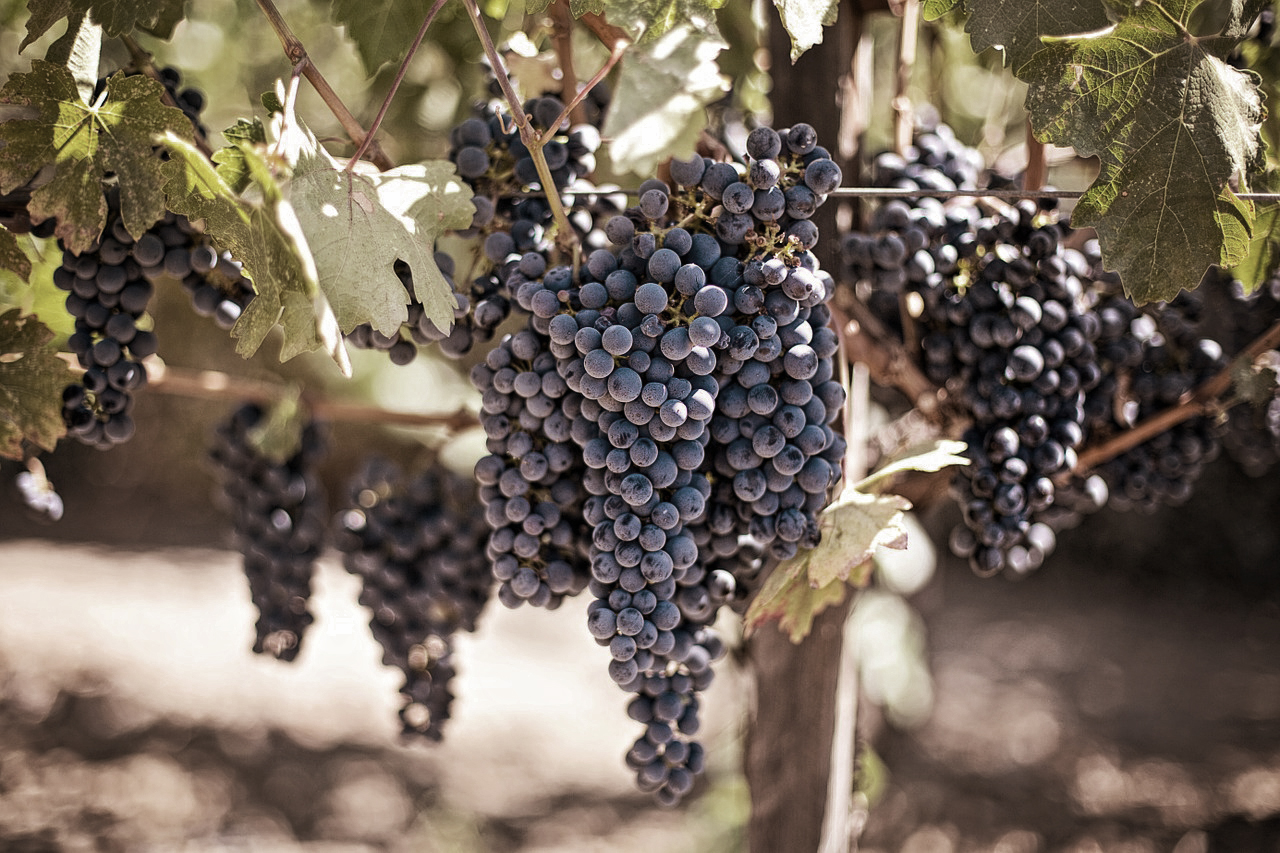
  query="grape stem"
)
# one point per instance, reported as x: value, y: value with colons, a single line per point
x: 565, y: 235
x: 615, y: 54
x: 1203, y: 400
x: 215, y: 385
x: 297, y: 54
x: 395, y: 86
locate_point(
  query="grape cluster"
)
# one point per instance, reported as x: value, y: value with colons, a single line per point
x: 1161, y: 355
x: 531, y: 481
x: 279, y: 514
x: 418, y: 547
x: 684, y: 381
x: 1013, y: 315
x: 108, y: 288
x: 217, y: 285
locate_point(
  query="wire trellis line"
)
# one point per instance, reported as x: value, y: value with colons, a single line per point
x: 884, y: 192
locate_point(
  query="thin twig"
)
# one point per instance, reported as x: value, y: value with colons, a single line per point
x: 297, y: 53
x: 615, y: 54
x: 1204, y: 400
x: 143, y: 61
x: 395, y: 85
x: 215, y: 385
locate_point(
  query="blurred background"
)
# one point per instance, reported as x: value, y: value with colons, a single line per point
x: 1124, y: 699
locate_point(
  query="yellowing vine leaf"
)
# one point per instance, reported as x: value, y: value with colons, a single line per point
x: 268, y: 241
x: 85, y: 142
x: 31, y: 381
x: 1173, y: 125
x: 116, y: 17
x: 358, y: 225
x: 788, y: 597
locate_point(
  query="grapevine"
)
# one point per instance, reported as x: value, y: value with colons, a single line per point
x: 651, y: 317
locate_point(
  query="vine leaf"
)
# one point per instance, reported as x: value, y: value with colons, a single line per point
x: 243, y: 160
x: 1172, y: 124
x: 358, y: 225
x: 1263, y: 258
x: 663, y: 87
x: 31, y: 381
x: 85, y: 142
x: 268, y: 241
x: 117, y: 17
x: 1018, y: 27
x: 787, y: 597
x: 12, y: 258
x: 804, y: 19
x: 382, y: 30
x: 852, y: 528
x: 1255, y: 381
x: 934, y: 9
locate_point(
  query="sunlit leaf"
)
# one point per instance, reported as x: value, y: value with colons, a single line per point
x: 31, y: 381
x: 804, y: 20
x: 658, y: 103
x: 85, y: 143
x: 1172, y: 124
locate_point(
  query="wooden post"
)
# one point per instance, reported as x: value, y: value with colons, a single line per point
x: 788, y: 761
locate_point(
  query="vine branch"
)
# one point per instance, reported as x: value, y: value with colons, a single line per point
x: 215, y: 385
x: 1201, y: 401
x: 297, y: 54
x: 903, y: 120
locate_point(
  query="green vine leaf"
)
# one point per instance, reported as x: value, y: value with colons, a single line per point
x: 804, y: 20
x: 382, y: 30
x: 116, y: 17
x: 853, y: 527
x: 925, y: 458
x: 243, y: 160
x: 12, y: 258
x: 1018, y: 27
x: 1263, y: 257
x: 31, y: 381
x: 269, y: 242
x: 659, y: 100
x: 932, y: 10
x: 1172, y: 124
x: 85, y: 143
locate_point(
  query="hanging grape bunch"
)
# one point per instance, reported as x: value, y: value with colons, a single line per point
x: 417, y: 546
x: 684, y: 380
x: 278, y: 511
